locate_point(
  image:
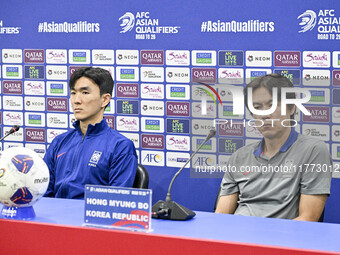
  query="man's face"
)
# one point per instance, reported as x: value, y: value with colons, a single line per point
x: 87, y: 103
x: 272, y: 127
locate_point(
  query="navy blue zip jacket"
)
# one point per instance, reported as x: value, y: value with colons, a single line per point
x: 101, y: 157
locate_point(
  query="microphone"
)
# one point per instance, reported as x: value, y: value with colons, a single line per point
x: 14, y: 129
x: 169, y: 209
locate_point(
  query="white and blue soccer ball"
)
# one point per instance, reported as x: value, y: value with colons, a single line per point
x: 24, y: 177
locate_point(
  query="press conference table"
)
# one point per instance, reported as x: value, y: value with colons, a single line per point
x: 58, y: 229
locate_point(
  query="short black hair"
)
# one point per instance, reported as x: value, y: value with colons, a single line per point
x: 99, y: 76
x: 269, y: 82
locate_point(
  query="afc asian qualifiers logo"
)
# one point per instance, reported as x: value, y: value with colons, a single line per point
x: 308, y: 21
x: 128, y: 22
x: 213, y: 90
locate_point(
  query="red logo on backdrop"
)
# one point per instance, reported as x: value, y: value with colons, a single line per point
x: 181, y: 109
x: 12, y: 87
x: 318, y: 114
x: 207, y: 75
x: 287, y: 58
x: 110, y: 121
x: 152, y: 141
x: 34, y: 56
x: 56, y: 104
x: 73, y: 68
x: 230, y: 130
x: 152, y: 57
x: 336, y: 77
x: 127, y: 90
x: 35, y: 135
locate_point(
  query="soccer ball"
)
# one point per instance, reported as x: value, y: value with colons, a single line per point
x: 24, y: 177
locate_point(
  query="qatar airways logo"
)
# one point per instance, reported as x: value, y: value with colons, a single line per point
x: 152, y: 141
x: 12, y: 87
x: 287, y: 58
x: 203, y: 75
x: 34, y: 56
x: 127, y: 90
x: 152, y: 57
x: 35, y: 135
x: 181, y: 109
x: 226, y: 129
x: 57, y: 104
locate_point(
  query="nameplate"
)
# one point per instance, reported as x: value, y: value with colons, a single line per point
x: 116, y: 207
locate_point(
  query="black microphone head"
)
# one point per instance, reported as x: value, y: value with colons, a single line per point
x: 212, y: 132
x: 14, y: 129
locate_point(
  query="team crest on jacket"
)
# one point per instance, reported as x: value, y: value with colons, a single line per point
x: 95, y: 157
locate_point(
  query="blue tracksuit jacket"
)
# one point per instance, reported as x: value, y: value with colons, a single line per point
x: 101, y: 157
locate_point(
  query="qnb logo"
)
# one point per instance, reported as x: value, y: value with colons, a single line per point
x: 204, y: 100
x: 308, y: 21
x: 128, y: 22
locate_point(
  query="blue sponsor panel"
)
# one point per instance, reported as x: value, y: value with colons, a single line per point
x: 128, y: 107
x: 230, y: 58
x: 229, y: 146
x: 293, y: 75
x: 336, y: 96
x: 179, y: 126
x: 35, y: 72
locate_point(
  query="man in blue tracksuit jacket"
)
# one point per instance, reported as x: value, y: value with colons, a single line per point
x: 92, y: 153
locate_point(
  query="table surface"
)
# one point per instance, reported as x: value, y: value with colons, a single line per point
x: 235, y: 228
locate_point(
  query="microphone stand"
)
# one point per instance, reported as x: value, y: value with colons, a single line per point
x: 169, y: 209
